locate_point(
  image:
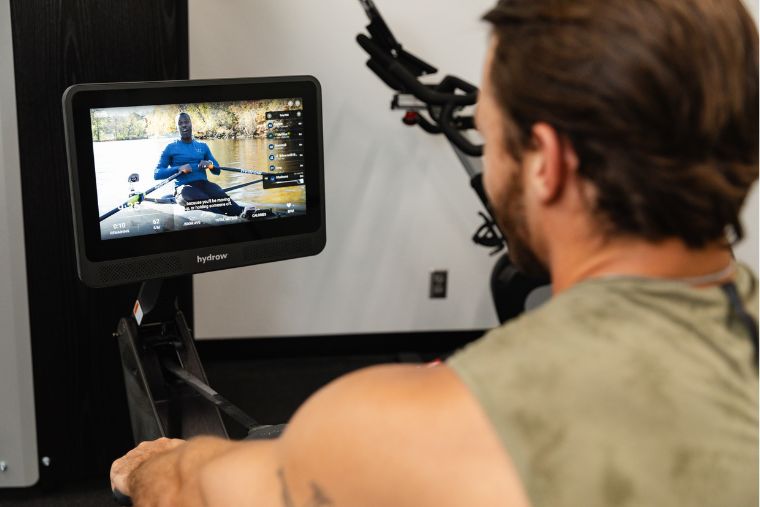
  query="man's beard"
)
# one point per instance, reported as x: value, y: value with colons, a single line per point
x: 511, y: 218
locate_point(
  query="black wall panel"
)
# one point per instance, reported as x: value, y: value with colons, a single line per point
x: 81, y: 412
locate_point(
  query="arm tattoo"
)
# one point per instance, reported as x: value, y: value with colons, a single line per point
x: 318, y: 497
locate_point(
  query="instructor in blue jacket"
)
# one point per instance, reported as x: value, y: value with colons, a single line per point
x: 192, y: 158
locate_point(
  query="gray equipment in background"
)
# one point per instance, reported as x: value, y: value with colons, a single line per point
x: 18, y: 431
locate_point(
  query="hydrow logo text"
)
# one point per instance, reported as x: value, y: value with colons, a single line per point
x: 211, y: 258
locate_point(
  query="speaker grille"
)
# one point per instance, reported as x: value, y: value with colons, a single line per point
x: 275, y: 249
x: 140, y: 269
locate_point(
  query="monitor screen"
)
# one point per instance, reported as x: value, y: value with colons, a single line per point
x: 180, y: 177
x: 174, y: 167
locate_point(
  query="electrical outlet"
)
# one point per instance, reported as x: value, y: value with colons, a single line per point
x: 438, y: 284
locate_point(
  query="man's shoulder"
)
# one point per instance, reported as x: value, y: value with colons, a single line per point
x: 614, y: 329
x: 556, y: 317
x: 421, y: 420
x: 569, y: 330
x: 621, y: 365
x: 599, y: 311
x: 517, y: 341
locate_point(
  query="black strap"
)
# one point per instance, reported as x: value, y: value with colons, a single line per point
x: 738, y: 306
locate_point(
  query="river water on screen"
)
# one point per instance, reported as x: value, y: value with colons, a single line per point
x: 115, y: 161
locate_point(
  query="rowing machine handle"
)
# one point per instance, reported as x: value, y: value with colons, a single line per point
x: 121, y: 498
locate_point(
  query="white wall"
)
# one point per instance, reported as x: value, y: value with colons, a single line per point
x: 399, y: 204
x: 18, y: 438
x: 747, y: 250
x: 752, y: 6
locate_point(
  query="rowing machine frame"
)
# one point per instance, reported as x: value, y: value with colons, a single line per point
x: 154, y: 336
x: 167, y: 389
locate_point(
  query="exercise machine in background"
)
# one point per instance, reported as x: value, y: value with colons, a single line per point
x: 445, y: 108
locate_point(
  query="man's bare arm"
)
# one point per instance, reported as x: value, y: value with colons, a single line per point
x: 390, y: 435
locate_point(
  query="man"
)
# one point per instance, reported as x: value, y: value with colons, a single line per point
x: 192, y: 158
x: 621, y: 140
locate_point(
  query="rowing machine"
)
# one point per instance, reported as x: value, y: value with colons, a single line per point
x: 167, y: 390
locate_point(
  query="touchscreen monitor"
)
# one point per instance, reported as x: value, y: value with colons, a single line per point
x: 180, y: 177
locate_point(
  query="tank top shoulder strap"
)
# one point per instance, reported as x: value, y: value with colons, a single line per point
x: 750, y: 324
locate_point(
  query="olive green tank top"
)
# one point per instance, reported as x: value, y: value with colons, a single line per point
x: 626, y: 392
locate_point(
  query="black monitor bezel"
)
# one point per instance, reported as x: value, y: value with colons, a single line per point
x: 79, y: 99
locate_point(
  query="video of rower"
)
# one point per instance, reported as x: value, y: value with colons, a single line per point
x: 182, y: 166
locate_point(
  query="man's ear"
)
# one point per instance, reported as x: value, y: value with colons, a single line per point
x: 552, y: 159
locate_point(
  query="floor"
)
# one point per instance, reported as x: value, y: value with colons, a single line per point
x: 85, y: 494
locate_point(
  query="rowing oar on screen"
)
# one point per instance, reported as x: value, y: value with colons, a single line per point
x: 235, y: 187
x: 138, y: 198
x: 241, y: 171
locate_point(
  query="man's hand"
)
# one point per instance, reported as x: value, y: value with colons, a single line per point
x: 186, y: 169
x: 205, y: 164
x: 122, y: 468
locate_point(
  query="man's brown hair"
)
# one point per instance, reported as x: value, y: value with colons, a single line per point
x: 658, y: 97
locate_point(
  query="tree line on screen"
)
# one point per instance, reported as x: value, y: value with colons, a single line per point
x: 218, y: 120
